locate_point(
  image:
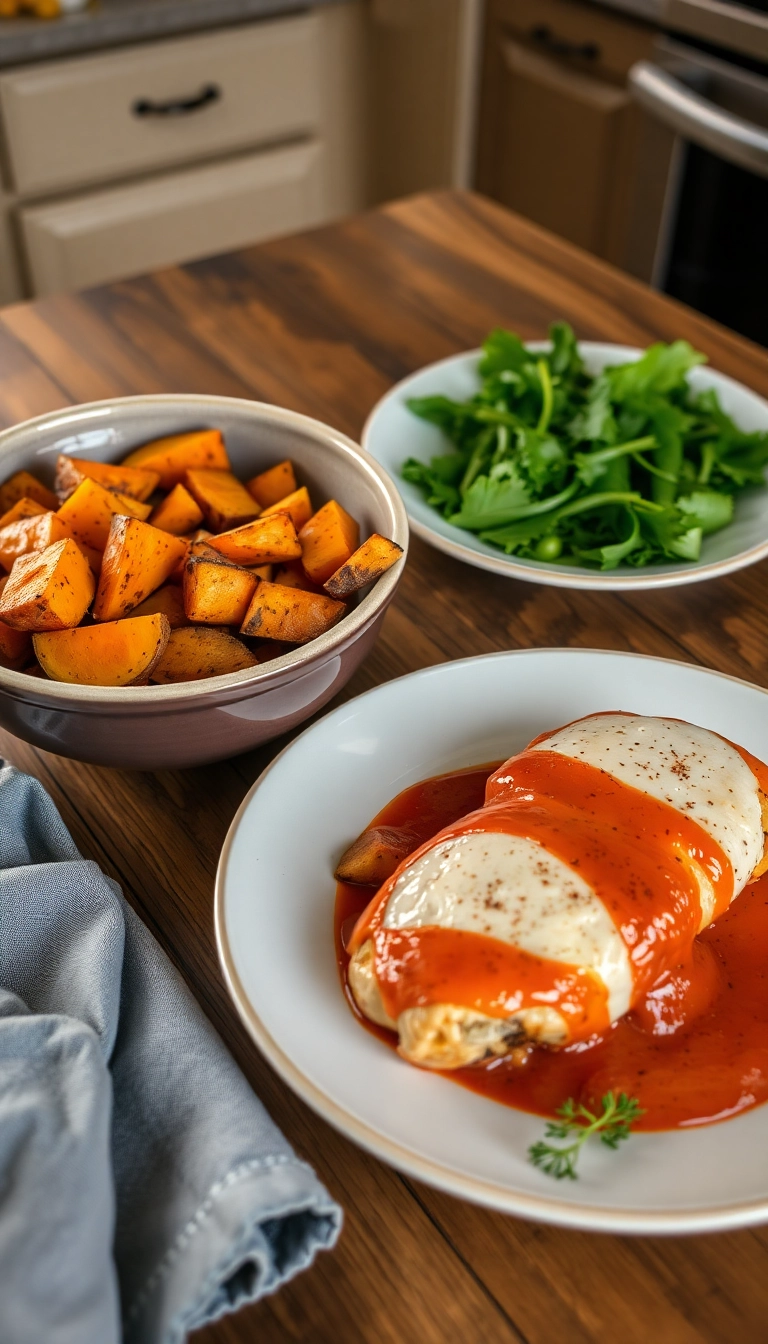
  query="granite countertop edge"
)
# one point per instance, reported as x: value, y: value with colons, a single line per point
x: 114, y: 22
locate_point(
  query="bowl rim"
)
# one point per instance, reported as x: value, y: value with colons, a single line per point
x: 231, y: 686
x: 543, y: 1208
x: 553, y: 575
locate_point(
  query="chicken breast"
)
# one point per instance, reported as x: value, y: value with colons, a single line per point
x: 600, y: 853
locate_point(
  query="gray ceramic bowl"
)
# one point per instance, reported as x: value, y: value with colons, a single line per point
x: 154, y: 727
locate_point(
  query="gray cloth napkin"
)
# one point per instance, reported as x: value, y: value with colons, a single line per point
x: 144, y: 1190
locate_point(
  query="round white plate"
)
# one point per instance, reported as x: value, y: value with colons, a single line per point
x: 392, y: 434
x: 274, y: 926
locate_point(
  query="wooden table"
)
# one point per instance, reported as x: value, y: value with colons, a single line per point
x: 324, y: 323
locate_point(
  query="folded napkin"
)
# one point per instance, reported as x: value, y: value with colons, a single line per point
x: 144, y: 1190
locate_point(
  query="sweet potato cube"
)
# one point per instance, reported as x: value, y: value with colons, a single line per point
x: 223, y: 499
x: 48, y: 590
x: 290, y: 615
x: 178, y: 512
x: 216, y: 592
x: 23, y: 508
x: 273, y: 484
x: 30, y: 534
x: 166, y: 600
x: 15, y: 645
x: 22, y: 484
x: 118, y: 653
x: 327, y: 541
x: 292, y: 575
x: 195, y: 652
x: 70, y: 471
x: 261, y: 571
x: 262, y: 542
x: 89, y: 511
x: 369, y: 562
x: 374, y: 855
x: 173, y: 456
x: 92, y: 555
x: 137, y: 559
x: 297, y: 505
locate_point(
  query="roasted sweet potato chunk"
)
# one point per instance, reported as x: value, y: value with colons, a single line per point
x: 368, y: 563
x: 173, y: 456
x: 30, y: 534
x: 89, y: 511
x: 261, y: 542
x: 15, y: 645
x: 48, y: 590
x: 70, y: 471
x: 289, y: 614
x: 137, y: 559
x: 297, y: 505
x: 223, y: 499
x: 374, y: 855
x: 118, y: 653
x: 197, y: 652
x: 216, y: 592
x: 24, y: 483
x: 23, y: 508
x: 166, y: 600
x: 292, y: 575
x: 273, y: 484
x: 327, y: 541
x: 178, y: 512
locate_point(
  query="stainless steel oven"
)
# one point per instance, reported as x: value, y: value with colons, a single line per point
x: 706, y: 230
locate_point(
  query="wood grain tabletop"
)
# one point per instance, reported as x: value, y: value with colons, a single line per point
x: 324, y: 323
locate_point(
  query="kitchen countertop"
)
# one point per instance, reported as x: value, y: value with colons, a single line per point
x: 325, y: 322
x: 112, y: 22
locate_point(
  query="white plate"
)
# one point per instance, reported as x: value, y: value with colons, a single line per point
x: 392, y: 434
x: 274, y: 925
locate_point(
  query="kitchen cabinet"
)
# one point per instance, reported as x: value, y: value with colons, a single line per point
x: 559, y: 138
x: 73, y: 244
x: 161, y: 152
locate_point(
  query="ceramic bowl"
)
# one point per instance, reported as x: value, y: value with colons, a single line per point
x: 393, y: 433
x: 153, y: 727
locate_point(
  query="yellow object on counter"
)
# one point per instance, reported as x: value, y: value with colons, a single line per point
x: 39, y: 9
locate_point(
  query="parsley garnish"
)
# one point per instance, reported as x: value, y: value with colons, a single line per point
x: 578, y: 1124
x: 550, y: 463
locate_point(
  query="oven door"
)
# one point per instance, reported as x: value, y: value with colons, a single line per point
x: 711, y: 246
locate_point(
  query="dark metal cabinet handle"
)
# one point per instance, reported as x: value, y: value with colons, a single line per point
x: 543, y: 36
x: 177, y: 107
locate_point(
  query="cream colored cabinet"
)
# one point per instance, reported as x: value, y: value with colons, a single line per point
x: 103, y: 117
x: 152, y: 155
x: 174, y: 218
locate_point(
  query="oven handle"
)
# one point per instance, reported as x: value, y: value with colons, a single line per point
x: 731, y: 137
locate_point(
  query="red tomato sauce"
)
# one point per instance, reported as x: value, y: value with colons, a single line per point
x: 693, y: 1051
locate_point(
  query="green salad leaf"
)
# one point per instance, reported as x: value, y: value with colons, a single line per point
x: 549, y: 463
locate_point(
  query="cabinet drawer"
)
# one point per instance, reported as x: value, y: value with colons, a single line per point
x: 111, y: 234
x: 607, y: 44
x: 69, y: 123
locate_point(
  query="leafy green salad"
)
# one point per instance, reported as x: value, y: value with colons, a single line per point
x: 551, y: 463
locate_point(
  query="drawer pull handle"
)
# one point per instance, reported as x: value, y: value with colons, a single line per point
x: 543, y: 36
x: 177, y: 107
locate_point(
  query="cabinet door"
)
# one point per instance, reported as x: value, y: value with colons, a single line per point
x: 556, y: 144
x: 86, y: 120
x: 89, y: 240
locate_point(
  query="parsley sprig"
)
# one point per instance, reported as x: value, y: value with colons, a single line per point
x: 578, y: 1124
x: 635, y: 466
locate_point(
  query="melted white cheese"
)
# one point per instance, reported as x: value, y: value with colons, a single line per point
x: 508, y: 887
x: 691, y: 768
